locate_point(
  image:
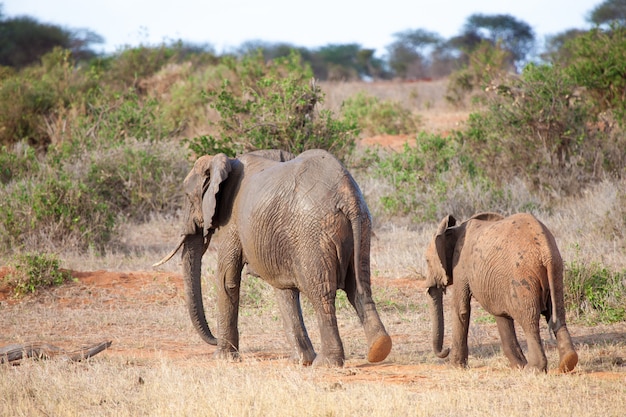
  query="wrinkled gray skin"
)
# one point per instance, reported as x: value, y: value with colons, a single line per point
x: 299, y: 223
x: 513, y: 268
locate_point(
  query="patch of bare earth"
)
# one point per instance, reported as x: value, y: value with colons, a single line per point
x: 144, y: 314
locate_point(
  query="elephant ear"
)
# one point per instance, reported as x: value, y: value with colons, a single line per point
x: 214, y: 175
x: 487, y: 216
x: 445, y: 240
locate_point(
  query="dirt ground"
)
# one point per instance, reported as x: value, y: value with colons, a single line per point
x: 105, y: 305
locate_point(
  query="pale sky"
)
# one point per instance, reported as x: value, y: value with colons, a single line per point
x: 226, y: 24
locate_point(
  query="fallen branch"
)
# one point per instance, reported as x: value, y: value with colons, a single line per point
x: 15, y: 353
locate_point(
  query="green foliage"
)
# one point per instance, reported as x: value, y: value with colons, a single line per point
x: 17, y: 164
x: 609, y: 12
x: 33, y: 271
x: 595, y: 292
x: 256, y: 294
x: 515, y: 36
x: 273, y: 105
x: 52, y: 208
x: 24, y: 41
x: 597, y: 62
x: 539, y: 128
x: 416, y: 171
x: 131, y: 65
x: 125, y: 115
x: 486, y: 63
x: 40, y: 104
x: 138, y: 179
x: 377, y: 117
x: 437, y: 176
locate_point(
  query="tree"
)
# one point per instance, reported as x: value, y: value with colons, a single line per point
x: 608, y: 12
x: 555, y: 50
x: 24, y: 40
x: 409, y: 53
x: 514, y: 35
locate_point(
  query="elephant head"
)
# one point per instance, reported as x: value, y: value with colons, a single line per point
x: 201, y: 186
x: 203, y: 212
x: 440, y: 260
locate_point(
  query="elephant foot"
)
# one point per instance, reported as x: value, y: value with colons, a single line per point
x: 568, y: 362
x: 535, y: 369
x: 379, y: 349
x: 227, y: 355
x: 304, y: 359
x: 328, y: 361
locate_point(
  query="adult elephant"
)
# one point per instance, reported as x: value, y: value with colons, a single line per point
x: 513, y: 268
x: 302, y: 225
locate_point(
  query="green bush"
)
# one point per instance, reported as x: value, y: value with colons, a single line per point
x: 596, y: 61
x: 129, y: 66
x: 438, y: 176
x: 30, y: 97
x: 52, y: 209
x: 594, y: 292
x: 376, y: 117
x: 486, y: 63
x: 416, y: 175
x: 17, y: 164
x: 538, y: 128
x: 125, y: 115
x: 33, y: 271
x: 139, y: 178
x: 272, y: 105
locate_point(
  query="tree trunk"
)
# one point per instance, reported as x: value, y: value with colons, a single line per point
x: 15, y: 353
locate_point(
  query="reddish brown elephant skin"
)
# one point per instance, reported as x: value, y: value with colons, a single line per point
x: 513, y: 268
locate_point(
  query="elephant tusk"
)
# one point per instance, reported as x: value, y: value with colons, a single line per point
x: 170, y: 255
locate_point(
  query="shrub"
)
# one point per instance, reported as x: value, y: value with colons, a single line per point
x: 486, y: 63
x: 125, y: 115
x: 52, y: 209
x: 29, y: 97
x: 416, y: 177
x: 537, y: 127
x: 376, y: 117
x: 129, y: 66
x: 17, y: 164
x: 596, y: 61
x: 139, y: 178
x: 273, y: 105
x: 33, y: 271
x: 437, y: 176
x: 595, y: 292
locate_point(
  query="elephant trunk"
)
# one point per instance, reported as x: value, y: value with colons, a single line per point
x: 436, y: 313
x: 193, y: 249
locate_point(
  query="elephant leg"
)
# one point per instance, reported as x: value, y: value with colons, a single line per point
x: 537, y: 360
x: 297, y: 336
x: 228, y: 286
x: 568, y: 358
x: 460, y: 325
x: 332, y: 353
x: 378, y: 341
x: 510, y: 344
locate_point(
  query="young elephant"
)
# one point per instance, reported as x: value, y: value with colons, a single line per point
x: 513, y: 268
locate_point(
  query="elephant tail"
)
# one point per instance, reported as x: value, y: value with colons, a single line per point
x: 555, y: 282
x: 357, y: 233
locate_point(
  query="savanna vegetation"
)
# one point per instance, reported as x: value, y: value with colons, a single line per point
x: 93, y: 149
